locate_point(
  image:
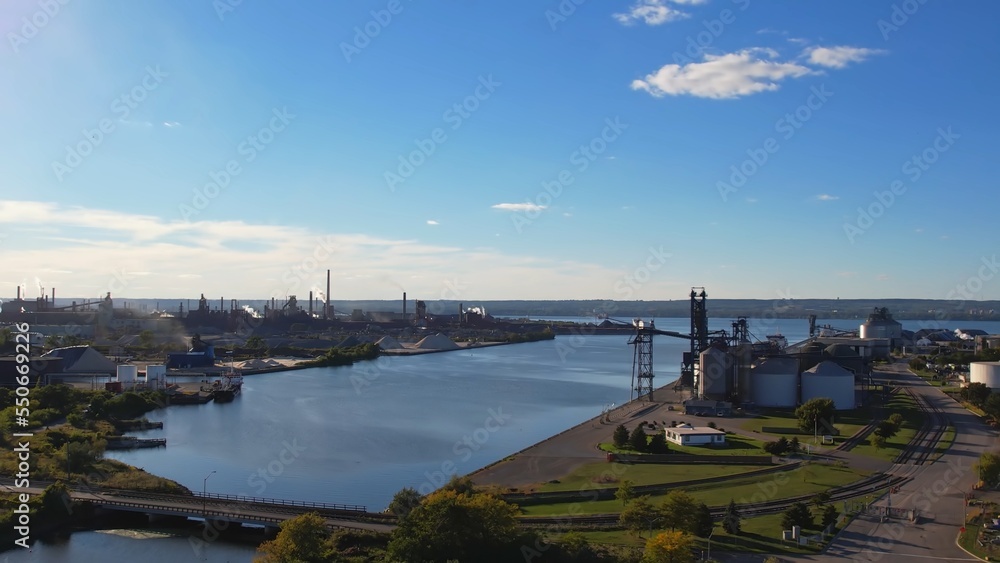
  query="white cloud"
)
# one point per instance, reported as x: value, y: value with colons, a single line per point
x: 143, y: 256
x: 827, y: 197
x: 171, y: 124
x: 432, y: 222
x: 654, y: 12
x: 527, y: 206
x: 722, y: 76
x: 841, y: 56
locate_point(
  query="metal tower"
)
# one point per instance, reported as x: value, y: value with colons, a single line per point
x: 699, y: 336
x: 642, y: 360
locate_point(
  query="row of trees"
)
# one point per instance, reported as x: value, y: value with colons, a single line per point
x: 639, y: 441
x: 783, y: 445
x: 800, y: 515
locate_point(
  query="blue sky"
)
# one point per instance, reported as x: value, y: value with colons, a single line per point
x: 501, y: 150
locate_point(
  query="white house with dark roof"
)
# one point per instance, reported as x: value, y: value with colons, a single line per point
x: 687, y: 435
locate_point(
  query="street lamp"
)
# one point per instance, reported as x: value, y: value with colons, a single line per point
x: 204, y: 497
x: 710, y: 544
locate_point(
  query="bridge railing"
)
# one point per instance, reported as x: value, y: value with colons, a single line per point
x: 284, y: 502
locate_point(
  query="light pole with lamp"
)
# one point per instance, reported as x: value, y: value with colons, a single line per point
x: 204, y: 496
x: 710, y: 544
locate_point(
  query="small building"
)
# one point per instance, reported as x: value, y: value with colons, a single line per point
x: 687, y: 435
x: 703, y: 407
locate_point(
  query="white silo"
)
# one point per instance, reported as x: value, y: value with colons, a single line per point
x: 127, y: 375
x: 715, y: 375
x: 774, y: 382
x: 156, y: 376
x: 987, y: 373
x: 830, y: 381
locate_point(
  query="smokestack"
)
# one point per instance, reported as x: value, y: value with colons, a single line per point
x: 310, y: 304
x: 326, y: 306
x: 222, y: 304
x: 404, y: 305
x: 53, y: 297
x: 461, y: 317
x: 18, y: 292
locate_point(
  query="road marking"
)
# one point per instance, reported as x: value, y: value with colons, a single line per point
x: 923, y: 556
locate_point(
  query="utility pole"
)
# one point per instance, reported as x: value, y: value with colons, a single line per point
x: 204, y: 497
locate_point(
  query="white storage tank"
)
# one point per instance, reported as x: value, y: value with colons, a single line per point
x: 715, y: 376
x: 156, y: 376
x: 774, y: 382
x: 829, y: 380
x: 127, y: 375
x: 987, y: 373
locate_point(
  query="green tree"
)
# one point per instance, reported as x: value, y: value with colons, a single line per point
x: 677, y: 509
x: 658, y: 444
x: 793, y: 445
x: 822, y: 497
x: 992, y: 406
x: 896, y: 419
x: 975, y: 393
x: 638, y: 515
x: 878, y: 442
x: 303, y: 538
x: 404, y: 501
x: 637, y: 440
x: 886, y: 429
x: 625, y: 492
x: 797, y: 515
x: 702, y: 523
x: 731, y: 519
x: 829, y: 515
x: 452, y: 526
x: 988, y: 468
x: 672, y: 546
x: 815, y: 414
x: 620, y: 436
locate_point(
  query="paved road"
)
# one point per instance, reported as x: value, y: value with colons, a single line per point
x: 936, y: 493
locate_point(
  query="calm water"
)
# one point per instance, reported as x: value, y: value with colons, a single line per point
x: 358, y: 434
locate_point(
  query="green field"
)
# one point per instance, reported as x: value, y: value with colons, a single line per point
x: 913, y: 419
x: 761, y: 534
x: 607, y: 475
x: 735, y: 445
x: 846, y: 422
x: 808, y: 479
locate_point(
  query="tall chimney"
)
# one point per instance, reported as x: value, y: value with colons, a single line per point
x: 404, y: 305
x: 53, y: 297
x: 222, y: 304
x: 310, y: 304
x: 326, y: 306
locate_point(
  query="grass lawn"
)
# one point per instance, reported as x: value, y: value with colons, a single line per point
x: 735, y: 445
x: 807, y: 479
x: 607, y: 475
x: 846, y: 422
x: 913, y: 419
x: 761, y: 534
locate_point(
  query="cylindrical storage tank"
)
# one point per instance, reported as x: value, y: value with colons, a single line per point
x: 715, y: 377
x: 774, y: 382
x: 156, y: 376
x: 127, y: 375
x: 881, y: 328
x: 987, y: 373
x: 830, y: 381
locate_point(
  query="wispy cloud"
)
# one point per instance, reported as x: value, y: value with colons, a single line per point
x: 171, y: 124
x: 523, y: 207
x: 882, y: 277
x: 846, y: 274
x: 840, y: 56
x: 722, y: 76
x: 432, y: 222
x: 827, y: 197
x: 654, y: 12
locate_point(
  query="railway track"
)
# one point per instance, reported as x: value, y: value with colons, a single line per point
x: 922, y: 446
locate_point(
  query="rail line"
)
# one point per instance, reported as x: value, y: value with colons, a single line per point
x: 923, y: 445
